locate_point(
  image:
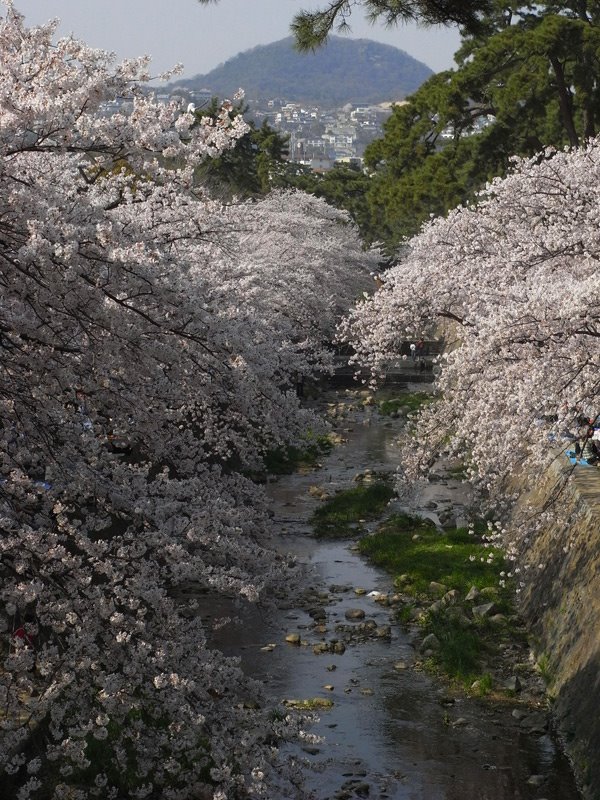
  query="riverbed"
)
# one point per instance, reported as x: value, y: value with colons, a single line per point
x: 392, y: 731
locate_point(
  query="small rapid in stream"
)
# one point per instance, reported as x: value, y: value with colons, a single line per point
x: 393, y: 731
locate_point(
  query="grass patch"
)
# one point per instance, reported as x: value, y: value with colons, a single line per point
x: 411, y: 401
x: 286, y: 460
x: 414, y: 548
x: 417, y: 554
x: 460, y: 648
x: 338, y: 515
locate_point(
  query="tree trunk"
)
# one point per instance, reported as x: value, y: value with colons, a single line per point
x: 564, y: 99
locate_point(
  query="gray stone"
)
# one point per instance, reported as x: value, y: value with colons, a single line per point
x: 513, y: 684
x: 383, y: 632
x: 430, y: 642
x: 355, y: 613
x: 460, y: 722
x: 473, y: 593
x: 451, y: 598
x: 416, y: 614
x: 535, y: 780
x: 337, y: 588
x: 437, y: 588
x: 485, y: 610
x: 535, y: 723
x: 489, y: 591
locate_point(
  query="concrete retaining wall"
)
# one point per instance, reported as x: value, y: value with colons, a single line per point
x: 562, y: 607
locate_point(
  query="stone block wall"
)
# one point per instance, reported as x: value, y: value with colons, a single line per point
x: 562, y: 609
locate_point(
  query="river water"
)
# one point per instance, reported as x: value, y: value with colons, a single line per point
x: 393, y: 731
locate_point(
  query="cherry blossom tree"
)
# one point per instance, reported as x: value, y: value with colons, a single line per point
x: 149, y: 341
x: 512, y: 285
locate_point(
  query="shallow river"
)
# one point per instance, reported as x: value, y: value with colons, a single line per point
x: 392, y: 732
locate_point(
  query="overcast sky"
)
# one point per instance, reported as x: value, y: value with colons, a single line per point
x: 201, y: 37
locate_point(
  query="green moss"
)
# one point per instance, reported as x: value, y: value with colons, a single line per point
x: 286, y: 460
x: 410, y: 401
x: 309, y: 704
x: 338, y: 516
x: 410, y: 546
x: 417, y: 554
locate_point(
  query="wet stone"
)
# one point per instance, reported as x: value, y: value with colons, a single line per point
x: 461, y: 722
x: 293, y: 638
x: 535, y: 723
x: 355, y: 613
x: 535, y: 780
x: 383, y: 632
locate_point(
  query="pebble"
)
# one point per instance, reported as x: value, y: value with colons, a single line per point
x: 535, y: 780
x: 355, y: 613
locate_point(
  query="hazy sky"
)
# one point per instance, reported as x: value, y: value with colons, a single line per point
x: 201, y: 37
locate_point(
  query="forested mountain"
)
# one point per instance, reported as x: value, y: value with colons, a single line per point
x: 345, y: 70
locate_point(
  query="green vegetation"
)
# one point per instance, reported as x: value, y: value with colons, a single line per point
x: 543, y: 667
x: 256, y: 164
x: 417, y: 554
x: 285, y: 460
x: 524, y: 81
x: 342, y: 186
x: 357, y: 71
x: 414, y: 549
x: 460, y: 648
x: 309, y: 704
x: 411, y: 401
x: 313, y: 28
x: 337, y: 517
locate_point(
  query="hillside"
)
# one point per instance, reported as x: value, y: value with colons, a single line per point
x: 344, y: 71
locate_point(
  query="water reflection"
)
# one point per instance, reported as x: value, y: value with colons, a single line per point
x: 392, y: 732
